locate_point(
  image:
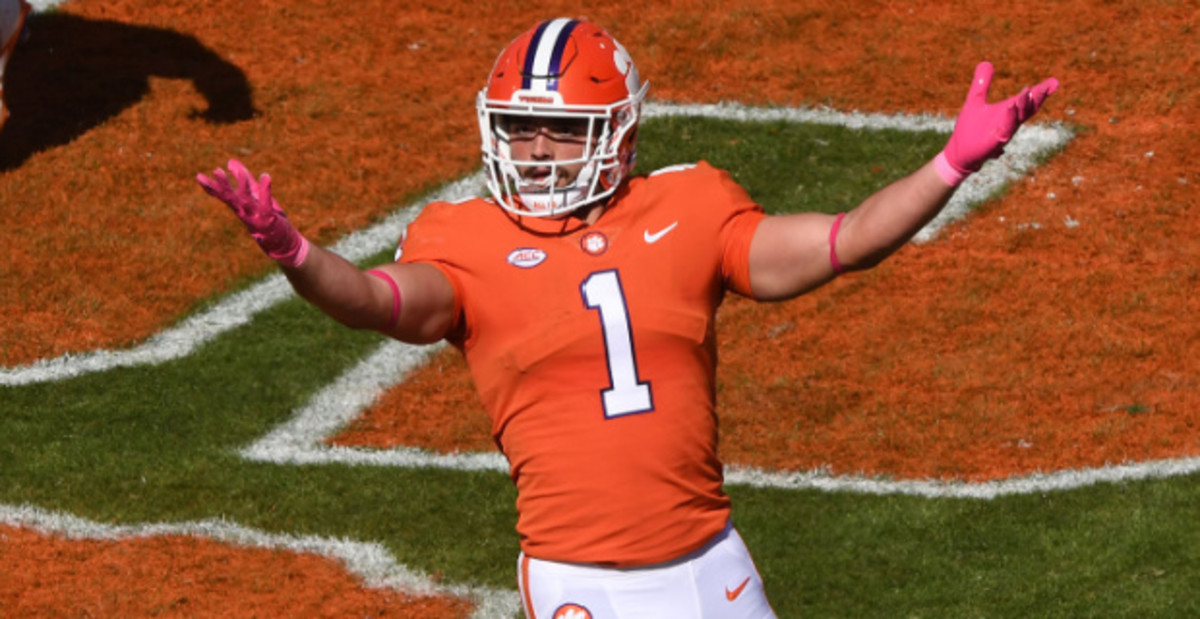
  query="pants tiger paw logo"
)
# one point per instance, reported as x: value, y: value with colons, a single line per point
x: 572, y: 611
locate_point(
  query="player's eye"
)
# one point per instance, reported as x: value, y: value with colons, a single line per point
x: 559, y: 129
x: 520, y: 129
x: 567, y: 128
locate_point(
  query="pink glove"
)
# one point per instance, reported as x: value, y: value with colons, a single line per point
x: 252, y: 202
x: 982, y: 130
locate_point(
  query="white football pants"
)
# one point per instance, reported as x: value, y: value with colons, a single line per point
x: 716, y: 581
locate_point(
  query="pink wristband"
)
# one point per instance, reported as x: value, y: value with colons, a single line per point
x: 296, y: 259
x: 395, y: 297
x: 948, y: 172
x: 833, y: 259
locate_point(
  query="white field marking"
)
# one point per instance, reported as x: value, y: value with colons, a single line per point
x: 42, y: 5
x: 370, y: 562
x: 301, y: 441
x: 988, y: 490
x: 232, y: 312
x: 1030, y: 142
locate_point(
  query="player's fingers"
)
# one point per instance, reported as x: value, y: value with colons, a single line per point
x: 1010, y: 121
x: 1023, y: 104
x: 207, y: 184
x: 216, y: 186
x: 238, y: 168
x: 981, y: 83
x: 220, y: 189
x: 222, y: 178
x: 242, y: 175
x: 246, y: 189
x: 1048, y: 86
x: 262, y: 189
x: 1039, y: 93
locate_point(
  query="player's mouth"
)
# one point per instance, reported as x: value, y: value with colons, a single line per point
x: 538, y: 176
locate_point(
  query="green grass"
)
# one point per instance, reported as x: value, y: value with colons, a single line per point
x: 159, y: 444
x: 790, y: 167
x: 152, y: 444
x: 1106, y: 551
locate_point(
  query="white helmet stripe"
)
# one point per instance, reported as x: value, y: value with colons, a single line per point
x: 544, y: 59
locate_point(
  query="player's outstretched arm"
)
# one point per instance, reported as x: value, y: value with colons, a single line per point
x: 792, y: 254
x: 410, y: 302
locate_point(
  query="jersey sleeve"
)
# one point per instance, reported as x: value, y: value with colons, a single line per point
x: 741, y: 216
x: 430, y: 239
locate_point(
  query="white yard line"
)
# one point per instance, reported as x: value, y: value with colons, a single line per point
x: 370, y: 562
x: 301, y: 440
x: 986, y: 490
x: 232, y: 312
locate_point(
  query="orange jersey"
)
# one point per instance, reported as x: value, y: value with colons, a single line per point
x: 593, y: 349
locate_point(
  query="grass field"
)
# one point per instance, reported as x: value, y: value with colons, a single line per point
x: 159, y: 441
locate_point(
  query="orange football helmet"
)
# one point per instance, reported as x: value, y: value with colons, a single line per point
x: 561, y: 69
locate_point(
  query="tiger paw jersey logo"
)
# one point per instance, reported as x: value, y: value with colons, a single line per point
x: 572, y: 611
x: 594, y: 243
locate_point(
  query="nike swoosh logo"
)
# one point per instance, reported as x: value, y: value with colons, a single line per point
x: 654, y: 237
x: 733, y: 595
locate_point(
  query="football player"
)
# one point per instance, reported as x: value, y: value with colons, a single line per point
x: 584, y: 301
x: 12, y: 25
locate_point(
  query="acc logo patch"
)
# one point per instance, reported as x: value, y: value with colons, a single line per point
x: 526, y: 257
x: 572, y: 611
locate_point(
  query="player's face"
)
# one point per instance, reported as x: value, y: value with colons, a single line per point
x: 547, y: 139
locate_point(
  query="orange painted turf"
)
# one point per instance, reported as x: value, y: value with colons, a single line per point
x: 1014, y: 343
x: 187, y: 577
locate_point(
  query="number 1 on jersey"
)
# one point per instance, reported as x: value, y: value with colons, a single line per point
x: 602, y: 291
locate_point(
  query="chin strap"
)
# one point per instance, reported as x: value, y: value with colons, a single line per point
x: 549, y: 203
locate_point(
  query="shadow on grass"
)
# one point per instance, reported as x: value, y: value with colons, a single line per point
x: 74, y: 73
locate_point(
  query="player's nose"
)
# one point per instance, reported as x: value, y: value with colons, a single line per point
x: 542, y: 147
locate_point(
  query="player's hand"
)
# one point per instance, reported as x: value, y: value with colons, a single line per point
x: 251, y: 201
x: 982, y: 129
